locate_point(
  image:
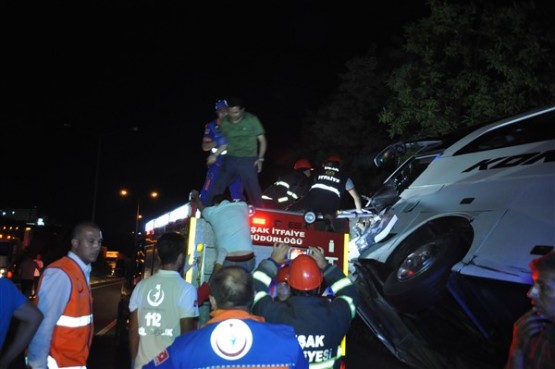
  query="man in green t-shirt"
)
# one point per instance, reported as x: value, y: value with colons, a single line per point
x: 246, y: 146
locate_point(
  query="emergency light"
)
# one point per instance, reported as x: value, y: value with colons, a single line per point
x: 258, y: 221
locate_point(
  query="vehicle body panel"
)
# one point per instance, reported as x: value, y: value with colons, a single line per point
x: 495, y: 187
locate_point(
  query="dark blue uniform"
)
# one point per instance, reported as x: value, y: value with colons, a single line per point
x: 288, y: 189
x: 320, y: 323
x: 234, y: 343
x: 328, y: 186
x: 213, y: 133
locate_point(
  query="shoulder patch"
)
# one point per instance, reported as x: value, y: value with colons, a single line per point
x: 161, y: 357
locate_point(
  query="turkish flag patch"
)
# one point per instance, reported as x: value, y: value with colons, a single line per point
x: 161, y: 357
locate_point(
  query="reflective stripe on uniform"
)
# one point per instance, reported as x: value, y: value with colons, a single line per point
x: 262, y: 277
x: 74, y: 321
x: 340, y: 284
x: 351, y: 304
x: 293, y: 194
x: 283, y: 199
x: 328, y: 364
x: 327, y: 188
x: 282, y: 183
x: 259, y: 296
x: 214, y: 149
x: 52, y: 364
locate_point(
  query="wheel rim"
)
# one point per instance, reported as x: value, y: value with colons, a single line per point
x: 416, y: 263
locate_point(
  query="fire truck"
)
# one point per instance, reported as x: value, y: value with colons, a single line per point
x: 268, y: 226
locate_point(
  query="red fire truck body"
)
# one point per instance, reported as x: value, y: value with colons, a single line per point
x: 268, y: 226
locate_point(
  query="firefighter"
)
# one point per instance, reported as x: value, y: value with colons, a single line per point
x: 283, y: 291
x: 329, y: 185
x: 290, y: 187
x: 320, y: 323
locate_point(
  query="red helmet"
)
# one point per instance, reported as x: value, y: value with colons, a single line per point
x: 302, y: 164
x: 283, y: 274
x: 333, y: 159
x: 304, y: 273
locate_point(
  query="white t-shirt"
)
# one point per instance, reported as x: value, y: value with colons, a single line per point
x: 162, y: 299
x: 230, y: 223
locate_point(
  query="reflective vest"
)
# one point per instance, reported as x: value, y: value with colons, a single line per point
x: 330, y: 179
x: 72, y: 336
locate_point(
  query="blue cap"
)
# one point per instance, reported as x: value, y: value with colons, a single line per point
x: 221, y: 104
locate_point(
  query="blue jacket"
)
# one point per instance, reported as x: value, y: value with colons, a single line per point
x: 234, y: 343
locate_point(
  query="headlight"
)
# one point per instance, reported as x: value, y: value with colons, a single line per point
x: 310, y: 217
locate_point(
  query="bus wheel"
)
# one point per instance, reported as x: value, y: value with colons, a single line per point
x: 419, y: 278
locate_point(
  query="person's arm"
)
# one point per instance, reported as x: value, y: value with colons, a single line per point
x: 133, y: 336
x: 262, y: 146
x: 341, y: 286
x: 263, y: 275
x: 29, y: 319
x: 212, y: 157
x: 208, y: 141
x: 188, y: 308
x: 356, y: 198
x: 196, y: 199
x: 187, y: 324
x: 221, y: 254
x: 207, y: 144
x: 267, y: 269
x: 54, y: 293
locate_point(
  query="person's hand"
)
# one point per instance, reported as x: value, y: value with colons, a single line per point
x: 317, y: 254
x: 258, y: 164
x: 527, y: 326
x: 194, y: 194
x: 211, y: 159
x: 279, y: 253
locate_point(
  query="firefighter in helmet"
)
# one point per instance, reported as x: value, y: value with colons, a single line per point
x: 283, y: 291
x: 290, y: 187
x: 320, y: 323
x: 329, y: 185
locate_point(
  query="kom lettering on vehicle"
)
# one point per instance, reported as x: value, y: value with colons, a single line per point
x: 513, y: 161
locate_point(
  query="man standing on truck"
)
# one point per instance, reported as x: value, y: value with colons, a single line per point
x: 320, y: 323
x: 246, y: 146
x: 162, y: 306
x: 211, y: 141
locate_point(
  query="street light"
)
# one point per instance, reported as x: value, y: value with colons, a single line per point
x: 138, y: 216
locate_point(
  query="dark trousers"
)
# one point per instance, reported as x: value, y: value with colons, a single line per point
x: 27, y: 287
x: 243, y: 168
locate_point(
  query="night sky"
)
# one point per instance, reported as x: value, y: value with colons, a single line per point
x: 77, y: 72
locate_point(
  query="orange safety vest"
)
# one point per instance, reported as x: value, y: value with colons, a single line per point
x: 72, y: 336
